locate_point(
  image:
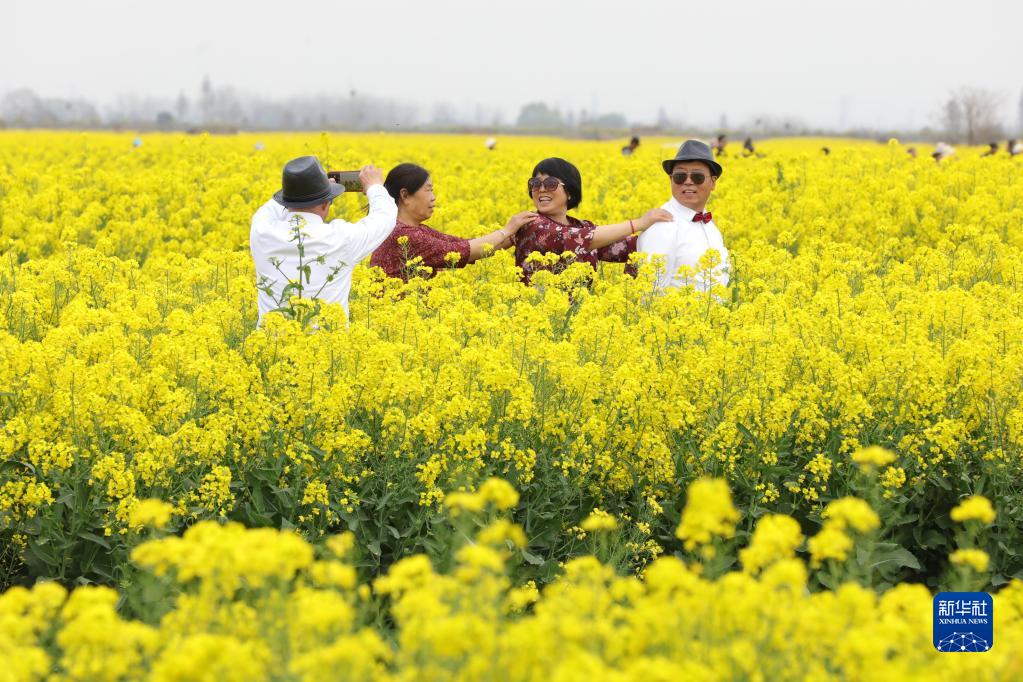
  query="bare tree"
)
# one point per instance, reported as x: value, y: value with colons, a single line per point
x: 1019, y: 123
x: 207, y: 100
x: 980, y: 113
x: 181, y: 107
x: 23, y: 108
x: 952, y: 119
x: 976, y: 110
x: 663, y: 121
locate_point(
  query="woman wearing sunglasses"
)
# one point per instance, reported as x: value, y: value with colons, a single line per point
x: 691, y: 231
x: 412, y: 189
x: 556, y: 188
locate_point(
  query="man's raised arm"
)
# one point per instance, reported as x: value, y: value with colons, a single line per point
x: 364, y: 236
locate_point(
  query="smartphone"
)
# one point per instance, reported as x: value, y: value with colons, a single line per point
x: 348, y: 179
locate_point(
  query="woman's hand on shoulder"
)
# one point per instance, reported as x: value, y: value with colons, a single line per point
x: 652, y: 217
x: 520, y: 220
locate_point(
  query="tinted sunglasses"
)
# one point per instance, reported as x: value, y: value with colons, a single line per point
x: 679, y: 177
x: 549, y: 184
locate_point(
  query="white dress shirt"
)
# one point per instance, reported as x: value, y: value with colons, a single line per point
x: 339, y: 242
x: 682, y: 242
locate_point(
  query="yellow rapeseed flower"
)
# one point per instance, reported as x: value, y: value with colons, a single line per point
x: 831, y: 542
x: 852, y: 512
x: 708, y: 514
x: 775, y: 538
x: 152, y: 513
x: 500, y: 532
x: 599, y: 520
x: 977, y: 559
x: 873, y: 457
x: 500, y: 493
x: 974, y: 508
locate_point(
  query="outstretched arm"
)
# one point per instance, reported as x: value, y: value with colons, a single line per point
x: 500, y: 238
x: 609, y: 234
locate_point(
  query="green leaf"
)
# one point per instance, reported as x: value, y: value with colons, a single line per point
x: 930, y: 538
x: 899, y: 557
x: 532, y: 559
x: 747, y: 433
x: 92, y: 537
x: 43, y: 554
x: 257, y: 498
x: 352, y: 520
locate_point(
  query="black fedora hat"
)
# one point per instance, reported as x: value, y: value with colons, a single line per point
x: 304, y: 184
x: 693, y: 150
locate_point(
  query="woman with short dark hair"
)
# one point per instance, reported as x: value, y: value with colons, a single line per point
x: 556, y: 188
x: 412, y: 189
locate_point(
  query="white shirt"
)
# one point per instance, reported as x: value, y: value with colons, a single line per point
x: 342, y: 245
x: 682, y: 242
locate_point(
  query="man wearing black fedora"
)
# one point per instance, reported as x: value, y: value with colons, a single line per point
x: 331, y: 250
x: 685, y: 240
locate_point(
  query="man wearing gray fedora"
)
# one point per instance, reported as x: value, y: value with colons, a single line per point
x: 330, y: 251
x: 685, y: 240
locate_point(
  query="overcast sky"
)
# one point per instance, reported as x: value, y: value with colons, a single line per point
x: 876, y: 63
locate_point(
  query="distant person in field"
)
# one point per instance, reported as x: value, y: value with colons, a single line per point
x: 942, y: 151
x: 556, y: 187
x: 690, y: 232
x: 719, y: 144
x: 826, y: 151
x: 1014, y: 147
x: 631, y: 147
x: 330, y: 249
x: 411, y: 187
x: 747, y: 147
x: 992, y: 149
x: 912, y: 152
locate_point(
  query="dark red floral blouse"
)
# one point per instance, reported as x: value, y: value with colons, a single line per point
x: 423, y: 241
x: 544, y: 235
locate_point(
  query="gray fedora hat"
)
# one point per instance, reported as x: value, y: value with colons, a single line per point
x: 693, y: 150
x: 304, y: 184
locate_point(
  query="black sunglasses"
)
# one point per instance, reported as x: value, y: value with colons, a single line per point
x: 679, y: 177
x: 549, y: 183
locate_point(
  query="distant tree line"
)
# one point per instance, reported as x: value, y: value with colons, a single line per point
x: 224, y: 109
x: 970, y: 115
x: 220, y: 109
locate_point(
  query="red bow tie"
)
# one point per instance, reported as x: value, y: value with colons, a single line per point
x: 701, y: 218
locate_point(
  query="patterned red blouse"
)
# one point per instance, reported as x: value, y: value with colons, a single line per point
x: 423, y: 241
x: 544, y: 235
